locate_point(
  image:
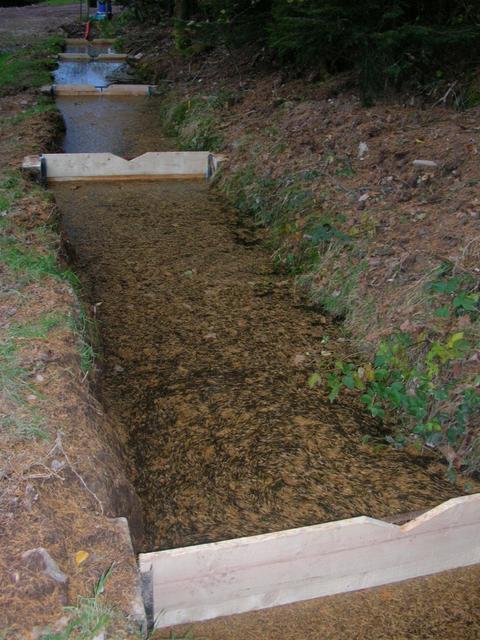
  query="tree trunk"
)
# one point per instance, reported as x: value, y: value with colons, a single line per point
x: 183, y: 11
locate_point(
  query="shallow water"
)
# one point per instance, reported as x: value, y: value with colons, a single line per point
x: 127, y: 126
x: 206, y: 356
x: 85, y: 72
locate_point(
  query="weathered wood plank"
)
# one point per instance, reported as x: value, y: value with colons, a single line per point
x: 107, y: 166
x: 234, y: 576
x: 92, y: 90
x: 86, y: 57
x: 95, y: 41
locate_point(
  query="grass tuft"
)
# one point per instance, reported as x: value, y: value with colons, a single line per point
x: 92, y: 617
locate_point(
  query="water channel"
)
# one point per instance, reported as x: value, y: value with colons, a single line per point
x: 206, y: 353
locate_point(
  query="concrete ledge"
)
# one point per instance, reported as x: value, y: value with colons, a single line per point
x: 258, y: 572
x: 107, y: 166
x: 92, y: 90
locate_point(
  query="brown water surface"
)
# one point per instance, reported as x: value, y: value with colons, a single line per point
x: 206, y: 358
x: 124, y: 125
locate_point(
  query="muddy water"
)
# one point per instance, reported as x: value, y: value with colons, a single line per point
x: 126, y: 126
x: 206, y: 354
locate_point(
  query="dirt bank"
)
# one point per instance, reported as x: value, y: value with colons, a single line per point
x: 62, y: 470
x: 19, y: 23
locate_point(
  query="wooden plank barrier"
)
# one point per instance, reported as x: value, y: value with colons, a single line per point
x: 92, y: 90
x: 107, y: 166
x: 246, y: 574
x: 85, y: 57
x: 95, y: 41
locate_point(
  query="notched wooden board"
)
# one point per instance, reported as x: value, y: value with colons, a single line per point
x: 107, y: 166
x: 246, y: 574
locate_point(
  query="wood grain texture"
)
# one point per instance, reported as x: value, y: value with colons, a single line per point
x: 247, y: 574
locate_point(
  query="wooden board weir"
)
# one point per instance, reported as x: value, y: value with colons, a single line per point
x: 235, y: 576
x: 93, y: 90
x: 86, y: 57
x: 107, y: 166
x: 95, y: 41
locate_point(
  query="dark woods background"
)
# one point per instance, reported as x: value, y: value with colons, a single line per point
x: 387, y: 41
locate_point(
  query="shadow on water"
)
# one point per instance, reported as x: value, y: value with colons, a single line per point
x: 205, y: 359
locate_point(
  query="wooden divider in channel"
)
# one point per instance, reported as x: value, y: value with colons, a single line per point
x: 95, y: 41
x: 85, y: 57
x: 235, y: 576
x: 92, y: 90
x: 107, y: 166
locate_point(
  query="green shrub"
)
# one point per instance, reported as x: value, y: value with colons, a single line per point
x: 388, y: 42
x: 431, y: 380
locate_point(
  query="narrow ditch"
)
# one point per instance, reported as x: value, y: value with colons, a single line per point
x: 205, y: 356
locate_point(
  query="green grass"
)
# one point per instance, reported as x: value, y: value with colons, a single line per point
x: 38, y: 330
x: 13, y: 377
x: 86, y: 331
x: 89, y: 619
x: 23, y: 421
x: 55, y: 3
x: 11, y: 189
x: 28, y: 67
x: 93, y: 617
x: 29, y: 265
x: 195, y: 122
x: 13, y: 186
x: 24, y: 429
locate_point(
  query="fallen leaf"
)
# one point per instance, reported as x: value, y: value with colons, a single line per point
x: 80, y: 557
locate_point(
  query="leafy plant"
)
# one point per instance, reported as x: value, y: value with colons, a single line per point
x: 415, y: 378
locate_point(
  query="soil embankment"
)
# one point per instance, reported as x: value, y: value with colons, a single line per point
x: 63, y: 473
x: 19, y: 23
